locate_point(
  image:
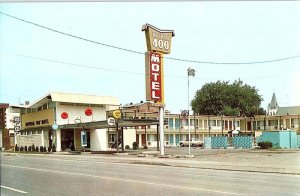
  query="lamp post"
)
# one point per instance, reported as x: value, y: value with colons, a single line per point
x: 222, y: 125
x: 190, y: 72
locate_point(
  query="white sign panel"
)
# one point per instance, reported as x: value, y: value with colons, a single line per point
x: 111, y: 121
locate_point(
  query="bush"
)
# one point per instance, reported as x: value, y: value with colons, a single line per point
x: 135, y: 146
x: 53, y: 148
x: 25, y: 149
x: 49, y: 149
x: 37, y: 149
x: 127, y: 147
x: 44, y: 149
x: 33, y: 148
x: 41, y: 149
x: 145, y: 147
x: 21, y: 148
x: 29, y: 149
x: 265, y: 145
x: 72, y: 147
x: 17, y: 147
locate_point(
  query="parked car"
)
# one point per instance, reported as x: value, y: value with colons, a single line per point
x: 194, y: 143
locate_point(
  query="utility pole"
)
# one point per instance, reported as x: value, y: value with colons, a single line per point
x: 190, y: 72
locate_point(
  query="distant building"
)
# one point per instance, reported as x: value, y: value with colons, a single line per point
x: 273, y: 106
x: 8, y: 113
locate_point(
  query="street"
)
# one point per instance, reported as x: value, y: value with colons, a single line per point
x: 75, y: 175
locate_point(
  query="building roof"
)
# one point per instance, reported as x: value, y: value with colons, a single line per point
x: 76, y: 98
x: 4, y: 105
x: 288, y: 110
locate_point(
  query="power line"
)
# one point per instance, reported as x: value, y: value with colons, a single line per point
x: 121, y: 71
x: 142, y: 53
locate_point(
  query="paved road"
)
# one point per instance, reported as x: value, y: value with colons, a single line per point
x: 75, y: 175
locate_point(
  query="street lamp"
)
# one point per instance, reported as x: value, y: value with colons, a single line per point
x: 190, y: 72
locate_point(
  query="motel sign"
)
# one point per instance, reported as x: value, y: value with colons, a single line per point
x: 158, y: 43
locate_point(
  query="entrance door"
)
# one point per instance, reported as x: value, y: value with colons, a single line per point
x: 143, y: 140
x: 171, y: 139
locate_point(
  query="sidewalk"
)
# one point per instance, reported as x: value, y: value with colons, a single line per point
x: 279, y: 162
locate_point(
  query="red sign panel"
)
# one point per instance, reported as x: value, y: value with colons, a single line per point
x: 154, y: 77
x: 88, y: 111
x: 64, y: 115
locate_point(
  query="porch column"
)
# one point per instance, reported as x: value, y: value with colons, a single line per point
x: 58, y: 140
x: 174, y: 139
x: 98, y: 139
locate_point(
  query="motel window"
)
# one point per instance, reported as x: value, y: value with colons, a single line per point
x: 151, y: 137
x: 219, y: 123
x: 45, y: 106
x: 212, y: 123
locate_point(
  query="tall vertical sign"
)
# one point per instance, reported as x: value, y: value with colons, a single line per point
x: 154, y: 77
x: 158, y: 43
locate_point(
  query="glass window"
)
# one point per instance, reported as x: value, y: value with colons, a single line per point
x: 45, y: 106
x: 212, y: 123
x: 219, y: 123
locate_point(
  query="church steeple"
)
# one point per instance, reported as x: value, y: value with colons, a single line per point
x: 273, y: 106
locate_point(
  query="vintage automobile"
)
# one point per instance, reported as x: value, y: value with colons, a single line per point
x: 193, y: 141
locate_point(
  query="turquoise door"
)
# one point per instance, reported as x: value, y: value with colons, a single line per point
x: 177, y: 123
x: 171, y: 139
x: 177, y: 139
x: 171, y: 123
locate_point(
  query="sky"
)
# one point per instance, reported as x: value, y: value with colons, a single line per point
x: 222, y: 32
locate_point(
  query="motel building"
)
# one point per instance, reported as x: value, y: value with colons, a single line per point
x: 201, y: 126
x: 58, y: 119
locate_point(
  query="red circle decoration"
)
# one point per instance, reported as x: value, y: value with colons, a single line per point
x: 88, y: 111
x: 64, y: 115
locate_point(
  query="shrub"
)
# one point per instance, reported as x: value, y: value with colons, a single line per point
x: 21, y: 148
x: 49, y: 149
x: 135, y: 146
x: 44, y: 149
x: 37, y: 149
x: 265, y: 145
x: 145, y: 147
x: 17, y: 147
x: 127, y: 147
x: 53, y: 148
x: 41, y: 149
x: 33, y: 148
x: 29, y: 149
x: 25, y: 149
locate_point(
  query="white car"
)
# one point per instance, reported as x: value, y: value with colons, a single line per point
x: 194, y: 143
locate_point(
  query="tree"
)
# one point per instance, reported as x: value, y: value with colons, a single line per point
x: 223, y: 98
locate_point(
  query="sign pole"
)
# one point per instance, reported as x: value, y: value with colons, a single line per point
x: 117, y: 136
x: 14, y: 143
x: 161, y: 130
